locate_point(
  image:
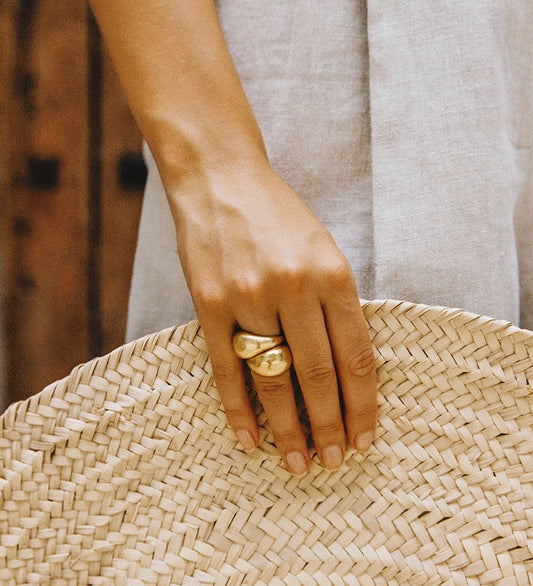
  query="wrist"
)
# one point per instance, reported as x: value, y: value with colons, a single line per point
x: 218, y: 187
x: 188, y: 157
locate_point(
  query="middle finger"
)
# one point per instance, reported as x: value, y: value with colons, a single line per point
x: 277, y: 397
x: 276, y: 394
x: 315, y: 369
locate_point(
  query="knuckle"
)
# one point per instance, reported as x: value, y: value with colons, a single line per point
x: 361, y: 417
x: 285, y: 438
x: 224, y: 373
x: 366, y: 411
x: 289, y: 272
x: 208, y: 298
x: 361, y: 361
x: 328, y: 430
x: 318, y: 373
x: 291, y: 278
x: 248, y: 287
x: 234, y: 415
x: 339, y: 272
x: 272, y: 391
x: 293, y: 273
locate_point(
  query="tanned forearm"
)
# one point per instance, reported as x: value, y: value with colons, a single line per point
x: 181, y: 84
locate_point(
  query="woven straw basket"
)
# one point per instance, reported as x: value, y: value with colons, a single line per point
x: 126, y: 473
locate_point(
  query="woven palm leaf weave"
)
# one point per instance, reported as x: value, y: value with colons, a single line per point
x: 126, y: 472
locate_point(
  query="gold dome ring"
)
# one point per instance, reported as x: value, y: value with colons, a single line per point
x: 265, y: 355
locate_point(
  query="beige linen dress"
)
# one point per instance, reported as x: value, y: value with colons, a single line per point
x: 407, y: 127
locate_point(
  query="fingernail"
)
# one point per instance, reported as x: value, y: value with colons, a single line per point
x: 332, y: 457
x: 296, y: 463
x: 364, y: 440
x: 245, y: 439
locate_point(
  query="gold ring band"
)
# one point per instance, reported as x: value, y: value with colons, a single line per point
x: 273, y: 362
x: 247, y: 345
x: 265, y: 355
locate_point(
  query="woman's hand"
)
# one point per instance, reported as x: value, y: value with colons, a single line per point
x: 254, y: 255
x: 257, y: 259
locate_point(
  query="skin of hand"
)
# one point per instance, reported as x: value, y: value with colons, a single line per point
x: 254, y: 256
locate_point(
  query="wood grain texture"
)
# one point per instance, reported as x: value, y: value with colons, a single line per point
x: 47, y: 158
x: 121, y: 206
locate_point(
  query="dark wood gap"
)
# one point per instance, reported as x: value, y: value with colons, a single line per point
x: 95, y: 185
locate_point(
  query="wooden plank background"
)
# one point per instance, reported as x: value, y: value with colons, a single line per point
x: 71, y: 181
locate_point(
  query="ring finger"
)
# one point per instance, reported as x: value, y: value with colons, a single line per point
x: 276, y: 394
x: 277, y: 397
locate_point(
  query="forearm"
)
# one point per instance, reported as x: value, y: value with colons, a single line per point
x: 182, y: 86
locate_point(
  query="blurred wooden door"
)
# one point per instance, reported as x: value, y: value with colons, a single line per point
x: 71, y: 178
